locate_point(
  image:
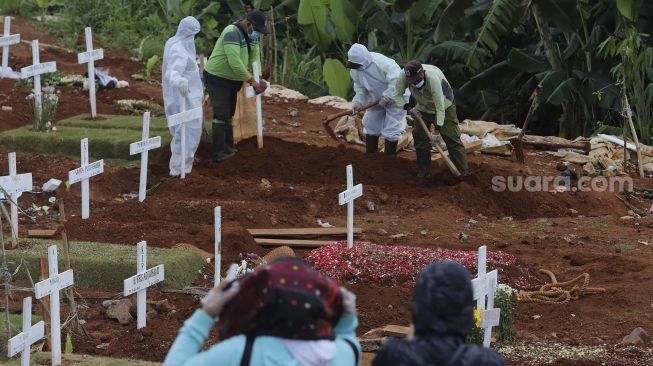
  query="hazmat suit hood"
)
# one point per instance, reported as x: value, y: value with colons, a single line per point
x: 442, y: 314
x: 359, y: 54
x: 181, y: 73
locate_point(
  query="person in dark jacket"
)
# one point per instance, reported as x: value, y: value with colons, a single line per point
x: 442, y: 315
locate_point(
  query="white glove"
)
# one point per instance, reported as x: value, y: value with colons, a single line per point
x: 356, y: 107
x: 385, y: 101
x: 182, y: 85
x: 217, y: 298
x: 348, y: 302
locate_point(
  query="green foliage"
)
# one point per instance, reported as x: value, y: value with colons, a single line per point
x: 314, y: 15
x: 627, y: 8
x: 149, y: 65
x: 336, y: 77
x: 69, y: 344
x: 16, y: 325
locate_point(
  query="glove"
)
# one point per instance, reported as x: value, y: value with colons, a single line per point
x: 348, y: 301
x: 436, y: 138
x: 356, y: 107
x: 218, y: 297
x: 182, y: 85
x: 413, y: 112
x: 385, y: 102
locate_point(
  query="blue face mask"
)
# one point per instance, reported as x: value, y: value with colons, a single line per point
x: 254, y: 36
x: 420, y: 85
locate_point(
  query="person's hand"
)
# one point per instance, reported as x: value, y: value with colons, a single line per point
x: 182, y: 85
x: 255, y: 84
x: 184, y: 91
x: 218, y: 297
x: 262, y: 86
x: 355, y: 108
x: 385, y: 101
x: 348, y: 301
x: 436, y: 138
x: 413, y: 112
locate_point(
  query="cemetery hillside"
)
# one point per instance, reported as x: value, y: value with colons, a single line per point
x: 146, y: 178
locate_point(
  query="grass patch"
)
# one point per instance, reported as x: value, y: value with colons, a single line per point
x: 599, y: 225
x: 108, y: 139
x: 624, y: 246
x: 102, y: 265
x: 42, y: 358
x: 16, y: 321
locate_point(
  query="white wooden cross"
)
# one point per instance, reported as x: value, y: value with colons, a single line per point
x: 142, y: 147
x: 182, y: 118
x: 15, y: 185
x: 139, y: 283
x: 256, y: 68
x: 217, y: 213
x: 50, y: 287
x: 7, y: 40
x: 490, y: 317
x: 31, y: 334
x: 483, y: 284
x: 348, y: 197
x: 83, y: 174
x: 89, y: 57
x: 36, y: 70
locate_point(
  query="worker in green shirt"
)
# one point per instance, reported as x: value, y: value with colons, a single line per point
x: 431, y: 98
x: 225, y: 72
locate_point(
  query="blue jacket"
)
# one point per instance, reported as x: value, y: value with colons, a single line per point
x: 266, y: 351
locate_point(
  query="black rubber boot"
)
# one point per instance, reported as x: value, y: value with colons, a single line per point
x: 371, y: 144
x: 391, y: 147
x: 229, y: 139
x: 423, y: 162
x: 220, y: 151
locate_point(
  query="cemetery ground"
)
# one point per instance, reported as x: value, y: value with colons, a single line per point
x: 294, y: 181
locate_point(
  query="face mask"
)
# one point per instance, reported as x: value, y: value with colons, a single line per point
x: 254, y: 35
x: 420, y: 85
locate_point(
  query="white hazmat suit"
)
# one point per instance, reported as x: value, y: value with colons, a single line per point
x: 182, y: 91
x: 373, y: 81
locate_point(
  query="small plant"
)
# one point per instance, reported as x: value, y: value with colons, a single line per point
x: 503, y: 299
x: 150, y: 64
x: 43, y: 122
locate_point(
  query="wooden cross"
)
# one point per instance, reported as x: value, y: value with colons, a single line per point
x: 31, y: 334
x: 182, y: 118
x: 7, y: 40
x: 141, y: 281
x: 50, y: 287
x: 490, y: 317
x: 217, y: 213
x: 83, y: 174
x: 15, y: 184
x: 348, y: 197
x: 256, y: 68
x: 143, y: 147
x: 35, y: 71
x: 89, y: 57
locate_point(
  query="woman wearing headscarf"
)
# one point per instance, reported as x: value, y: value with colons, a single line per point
x: 442, y: 316
x: 182, y: 91
x: 284, y: 313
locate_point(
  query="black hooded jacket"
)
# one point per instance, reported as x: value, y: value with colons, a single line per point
x: 443, y: 314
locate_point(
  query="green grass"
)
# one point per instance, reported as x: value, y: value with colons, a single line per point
x: 108, y: 139
x: 599, y: 225
x: 625, y: 246
x: 101, y: 265
x: 42, y: 358
x: 16, y: 321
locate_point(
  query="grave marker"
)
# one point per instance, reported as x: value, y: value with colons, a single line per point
x: 89, y: 57
x: 7, y: 40
x: 483, y: 279
x: 256, y: 68
x: 141, y: 281
x: 35, y: 71
x: 490, y: 317
x: 142, y: 147
x: 83, y: 174
x: 31, y: 334
x: 15, y: 184
x: 182, y: 118
x: 217, y: 213
x: 348, y: 197
x: 50, y: 287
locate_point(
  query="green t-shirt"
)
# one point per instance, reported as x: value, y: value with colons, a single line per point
x: 231, y: 56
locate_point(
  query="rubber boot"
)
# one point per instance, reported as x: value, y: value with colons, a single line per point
x: 220, y: 151
x: 391, y: 148
x: 371, y: 144
x: 423, y: 162
x: 229, y: 139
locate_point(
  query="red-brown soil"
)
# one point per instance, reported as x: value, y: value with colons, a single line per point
x: 568, y: 234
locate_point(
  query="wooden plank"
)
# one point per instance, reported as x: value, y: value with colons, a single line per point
x: 333, y: 231
x: 395, y: 331
x: 38, y: 233
x: 293, y: 242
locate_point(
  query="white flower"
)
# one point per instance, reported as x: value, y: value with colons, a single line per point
x: 30, y: 96
x: 49, y: 90
x: 505, y: 288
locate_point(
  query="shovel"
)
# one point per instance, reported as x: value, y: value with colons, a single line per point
x: 445, y: 157
x: 329, y: 119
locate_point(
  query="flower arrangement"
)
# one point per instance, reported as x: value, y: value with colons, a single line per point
x: 503, y: 299
x: 43, y: 122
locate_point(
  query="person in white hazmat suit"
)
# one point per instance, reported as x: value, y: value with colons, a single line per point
x: 375, y: 77
x: 182, y: 91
